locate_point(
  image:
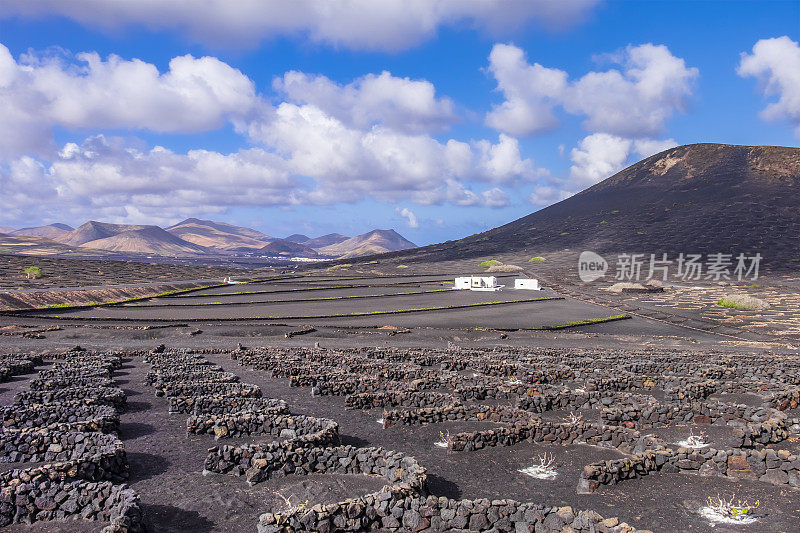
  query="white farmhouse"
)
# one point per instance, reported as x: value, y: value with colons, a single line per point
x: 477, y: 283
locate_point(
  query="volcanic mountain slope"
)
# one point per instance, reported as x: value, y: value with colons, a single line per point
x: 288, y: 248
x: 325, y: 240
x: 218, y: 236
x: 700, y: 198
x: 130, y: 239
x: 54, y: 232
x: 375, y: 242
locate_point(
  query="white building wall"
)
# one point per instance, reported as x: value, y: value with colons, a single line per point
x: 527, y: 284
x: 462, y: 283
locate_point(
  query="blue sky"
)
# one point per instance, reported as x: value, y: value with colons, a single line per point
x: 486, y: 111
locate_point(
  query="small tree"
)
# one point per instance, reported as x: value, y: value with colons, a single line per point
x: 33, y: 272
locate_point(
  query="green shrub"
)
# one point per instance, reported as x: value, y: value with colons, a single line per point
x: 537, y: 259
x: 402, y: 266
x: 490, y: 263
x: 33, y: 272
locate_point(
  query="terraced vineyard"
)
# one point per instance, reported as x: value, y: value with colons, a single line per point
x: 399, y: 439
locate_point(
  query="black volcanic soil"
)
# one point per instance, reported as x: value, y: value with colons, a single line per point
x: 716, y: 436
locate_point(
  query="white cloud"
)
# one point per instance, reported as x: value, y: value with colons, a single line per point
x: 503, y: 163
x: 411, y: 218
x: 39, y: 92
x: 348, y: 163
x: 601, y: 155
x: 495, y: 197
x: 456, y: 193
x: 401, y: 104
x: 530, y: 91
x: 648, y: 147
x: 634, y: 101
x: 776, y: 65
x: 625, y: 109
x: 638, y: 100
x: 597, y: 157
x: 329, y: 143
x: 108, y: 177
x: 358, y: 24
x: 105, y: 175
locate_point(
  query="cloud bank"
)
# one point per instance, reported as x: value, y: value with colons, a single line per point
x: 321, y: 143
x: 388, y: 25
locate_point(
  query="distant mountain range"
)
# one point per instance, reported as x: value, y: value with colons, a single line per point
x: 219, y: 235
x: 51, y: 231
x: 327, y: 240
x: 375, y: 242
x: 193, y: 237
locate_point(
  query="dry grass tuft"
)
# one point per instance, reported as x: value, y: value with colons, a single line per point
x: 504, y: 268
x: 743, y: 302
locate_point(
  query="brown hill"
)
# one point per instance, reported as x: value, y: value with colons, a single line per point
x: 299, y: 238
x: 129, y: 238
x: 325, y: 240
x: 145, y: 241
x: 55, y: 231
x: 93, y: 230
x: 7, y: 230
x: 375, y: 242
x: 700, y: 198
x: 288, y: 248
x: 218, y: 235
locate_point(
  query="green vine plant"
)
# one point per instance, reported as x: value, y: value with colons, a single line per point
x: 573, y: 419
x: 721, y: 510
x: 444, y: 440
x: 288, y: 501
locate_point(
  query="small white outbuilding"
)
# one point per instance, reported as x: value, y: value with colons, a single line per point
x: 527, y: 284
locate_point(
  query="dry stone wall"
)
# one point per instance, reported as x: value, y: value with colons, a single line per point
x: 68, y: 422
